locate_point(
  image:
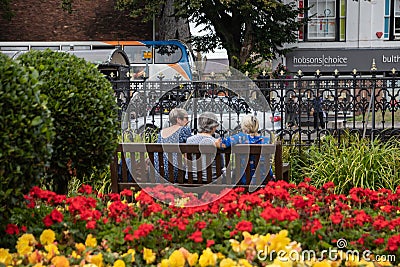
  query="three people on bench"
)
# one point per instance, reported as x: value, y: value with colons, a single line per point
x: 208, y: 123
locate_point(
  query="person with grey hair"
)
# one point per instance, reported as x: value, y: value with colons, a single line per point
x: 207, y: 124
x: 178, y: 132
x: 249, y: 135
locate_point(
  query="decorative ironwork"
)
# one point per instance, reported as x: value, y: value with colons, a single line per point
x: 369, y: 106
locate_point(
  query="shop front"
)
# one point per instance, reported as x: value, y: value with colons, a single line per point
x: 343, y: 60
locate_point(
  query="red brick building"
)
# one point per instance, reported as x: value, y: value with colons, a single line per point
x: 44, y: 20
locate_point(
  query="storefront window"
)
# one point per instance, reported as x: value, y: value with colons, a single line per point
x: 327, y: 20
x: 392, y: 20
x: 397, y: 19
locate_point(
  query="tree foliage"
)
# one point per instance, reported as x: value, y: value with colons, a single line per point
x: 250, y: 31
x: 5, y: 9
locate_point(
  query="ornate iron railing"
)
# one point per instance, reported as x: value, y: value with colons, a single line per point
x: 369, y: 106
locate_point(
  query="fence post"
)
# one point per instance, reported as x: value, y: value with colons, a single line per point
x: 373, y: 72
x: 336, y: 99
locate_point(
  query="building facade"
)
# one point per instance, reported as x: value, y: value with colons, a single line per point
x: 97, y: 20
x: 347, y: 35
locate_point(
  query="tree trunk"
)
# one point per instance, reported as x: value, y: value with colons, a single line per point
x: 170, y: 27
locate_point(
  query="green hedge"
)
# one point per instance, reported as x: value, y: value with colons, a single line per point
x: 83, y: 107
x: 26, y: 131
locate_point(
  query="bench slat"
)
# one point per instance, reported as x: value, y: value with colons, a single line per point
x: 138, y: 152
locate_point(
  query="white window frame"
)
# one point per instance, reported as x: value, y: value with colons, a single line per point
x: 323, y: 20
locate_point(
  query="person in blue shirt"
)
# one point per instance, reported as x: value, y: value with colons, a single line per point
x: 178, y: 132
x: 249, y: 135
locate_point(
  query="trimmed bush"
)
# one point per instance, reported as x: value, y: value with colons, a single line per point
x: 26, y: 132
x: 85, y: 115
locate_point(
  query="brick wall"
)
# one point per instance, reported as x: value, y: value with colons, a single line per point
x: 44, y: 20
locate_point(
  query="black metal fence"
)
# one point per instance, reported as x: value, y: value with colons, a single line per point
x: 368, y: 106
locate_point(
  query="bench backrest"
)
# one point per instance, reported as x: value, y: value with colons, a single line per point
x: 141, y: 156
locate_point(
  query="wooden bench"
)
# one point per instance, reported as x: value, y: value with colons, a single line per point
x: 142, y: 172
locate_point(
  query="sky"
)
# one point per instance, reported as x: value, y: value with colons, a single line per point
x: 218, y: 53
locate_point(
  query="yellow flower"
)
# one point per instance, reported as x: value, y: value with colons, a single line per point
x: 323, y: 263
x: 75, y: 255
x: 149, y: 256
x: 176, y: 259
x: 192, y: 259
x: 25, y: 244
x: 60, y: 261
x: 28, y: 239
x: 80, y: 247
x: 23, y: 248
x: 91, y: 241
x: 352, y: 260
x: 220, y: 256
x: 97, y: 260
x: 227, y: 263
x: 5, y: 256
x: 280, y: 241
x: 208, y: 258
x: 131, y: 252
x: 164, y: 263
x: 52, y: 251
x: 365, y: 263
x: 235, y: 245
x: 283, y: 262
x: 245, y: 263
x: 47, y: 237
x: 247, y: 241
x: 35, y: 257
x: 262, y: 242
x: 119, y: 263
x: 382, y: 262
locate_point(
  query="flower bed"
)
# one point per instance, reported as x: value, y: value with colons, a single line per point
x: 272, y: 226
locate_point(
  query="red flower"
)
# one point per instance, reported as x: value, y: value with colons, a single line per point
x: 143, y: 230
x: 196, y: 237
x: 85, y: 189
x: 56, y: 216
x: 244, y: 226
x: 336, y: 217
x: 167, y: 236
x: 126, y: 192
x: 47, y: 221
x: 210, y: 243
x: 328, y: 185
x: 91, y: 225
x: 129, y: 237
x: 12, y: 229
x: 393, y: 243
x: 380, y: 223
x: 233, y: 233
x: 200, y: 225
x: 379, y: 241
x: 316, y: 226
